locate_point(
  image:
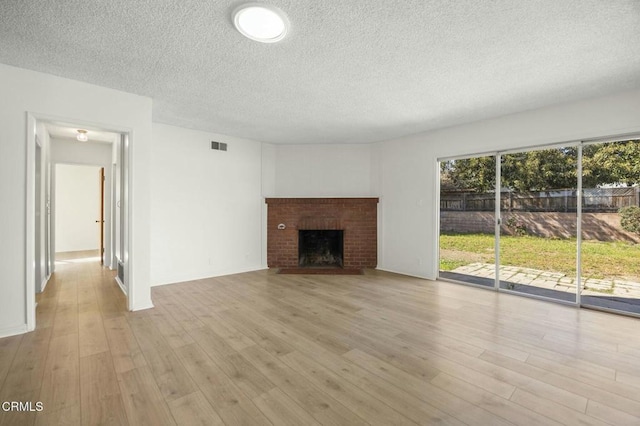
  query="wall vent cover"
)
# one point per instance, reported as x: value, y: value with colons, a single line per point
x: 220, y: 146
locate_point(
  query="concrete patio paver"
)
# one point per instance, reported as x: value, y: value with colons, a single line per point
x: 553, y: 280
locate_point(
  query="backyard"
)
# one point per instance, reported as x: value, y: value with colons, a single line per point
x: 600, y: 260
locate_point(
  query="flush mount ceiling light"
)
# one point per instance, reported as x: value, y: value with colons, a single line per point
x: 261, y: 22
x: 82, y: 135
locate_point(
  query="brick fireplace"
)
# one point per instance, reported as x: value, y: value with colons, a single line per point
x: 356, y: 218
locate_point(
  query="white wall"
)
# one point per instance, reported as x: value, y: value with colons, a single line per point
x: 323, y: 171
x: 206, y: 208
x: 77, y: 207
x: 86, y: 153
x: 407, y: 167
x: 72, y: 101
x: 69, y: 151
x: 268, y: 190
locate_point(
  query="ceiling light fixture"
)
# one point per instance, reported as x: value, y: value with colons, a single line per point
x: 261, y: 22
x: 82, y: 135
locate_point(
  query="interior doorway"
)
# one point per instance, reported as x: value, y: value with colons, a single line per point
x: 79, y: 212
x: 51, y: 142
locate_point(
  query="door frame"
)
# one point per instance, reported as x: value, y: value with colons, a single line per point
x: 32, y: 122
x: 101, y: 216
x: 54, y: 195
x: 498, y: 210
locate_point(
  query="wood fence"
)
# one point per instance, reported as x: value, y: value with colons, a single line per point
x: 595, y: 200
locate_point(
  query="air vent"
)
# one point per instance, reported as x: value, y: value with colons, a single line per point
x: 121, y: 271
x: 220, y: 146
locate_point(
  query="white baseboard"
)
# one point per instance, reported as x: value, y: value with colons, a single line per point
x: 143, y: 307
x: 138, y: 308
x: 406, y: 274
x: 12, y: 331
x: 213, y: 274
x: 44, y: 283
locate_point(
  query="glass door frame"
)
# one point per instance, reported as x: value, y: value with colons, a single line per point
x: 498, y: 216
x: 498, y: 220
x: 595, y: 141
x: 439, y: 161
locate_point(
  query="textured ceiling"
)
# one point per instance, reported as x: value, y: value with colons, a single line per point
x: 348, y: 71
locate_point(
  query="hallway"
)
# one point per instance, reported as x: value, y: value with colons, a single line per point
x: 65, y: 362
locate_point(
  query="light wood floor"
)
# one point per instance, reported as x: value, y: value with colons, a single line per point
x: 260, y: 348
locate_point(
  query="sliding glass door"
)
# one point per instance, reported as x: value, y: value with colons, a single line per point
x: 467, y: 220
x: 559, y: 223
x: 611, y: 226
x: 538, y: 212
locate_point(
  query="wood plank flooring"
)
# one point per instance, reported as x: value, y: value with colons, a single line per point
x: 266, y: 349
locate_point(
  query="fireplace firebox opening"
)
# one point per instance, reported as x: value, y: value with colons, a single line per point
x: 320, y: 248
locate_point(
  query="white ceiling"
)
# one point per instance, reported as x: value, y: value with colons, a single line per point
x: 348, y: 71
x: 65, y: 131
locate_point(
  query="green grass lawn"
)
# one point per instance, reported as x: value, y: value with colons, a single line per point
x: 599, y: 259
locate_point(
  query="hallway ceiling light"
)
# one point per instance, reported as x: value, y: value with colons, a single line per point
x: 82, y: 135
x: 261, y: 22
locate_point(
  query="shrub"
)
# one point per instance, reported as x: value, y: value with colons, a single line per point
x: 630, y: 219
x: 517, y: 227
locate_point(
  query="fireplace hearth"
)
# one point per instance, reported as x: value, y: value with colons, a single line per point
x: 320, y: 248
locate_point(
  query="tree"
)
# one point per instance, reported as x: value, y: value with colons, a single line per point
x: 611, y: 163
x: 547, y: 169
x: 540, y: 170
x: 476, y: 174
